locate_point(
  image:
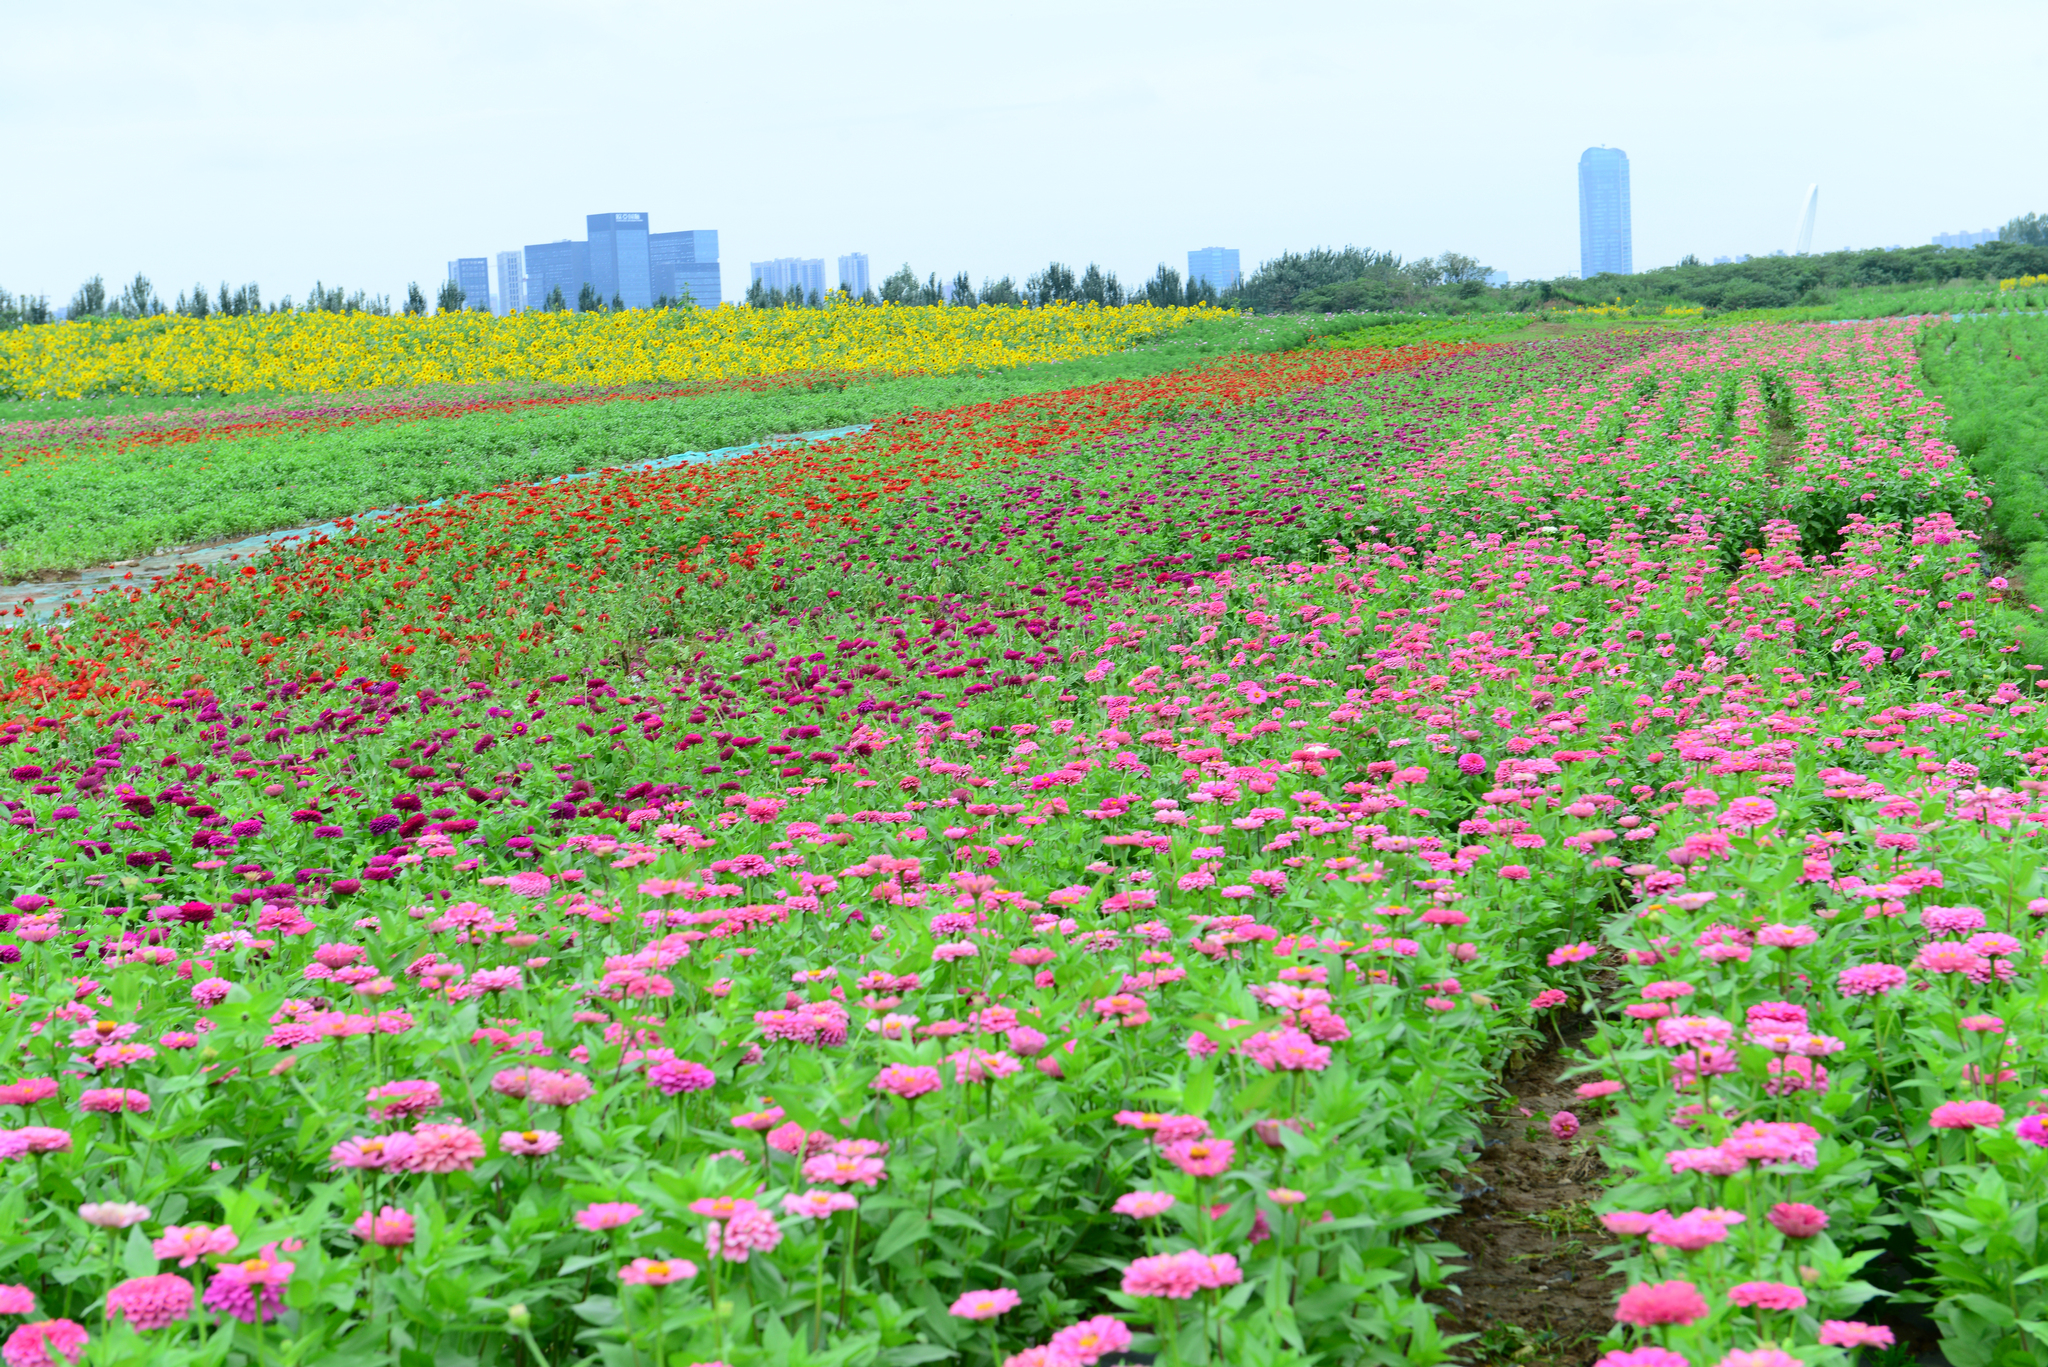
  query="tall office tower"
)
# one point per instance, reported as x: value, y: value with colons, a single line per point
x: 787, y: 272
x: 472, y: 275
x: 511, y: 282
x: 853, y: 273
x: 1606, y: 244
x: 1217, y: 265
x: 686, y: 260
x: 619, y: 266
x: 560, y: 265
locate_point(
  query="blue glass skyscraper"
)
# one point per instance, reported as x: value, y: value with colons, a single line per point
x: 472, y: 275
x: 686, y: 260
x: 1217, y: 265
x: 619, y: 267
x: 552, y: 266
x: 1605, y: 242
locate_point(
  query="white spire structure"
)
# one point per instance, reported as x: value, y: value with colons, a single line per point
x: 1806, y: 220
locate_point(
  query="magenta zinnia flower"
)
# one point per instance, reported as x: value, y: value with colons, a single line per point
x: 45, y: 1343
x: 607, y: 1215
x: 1652, y: 1303
x: 444, y: 1148
x: 1083, y: 1343
x: 1795, y: 1220
x: 151, y: 1302
x: 1967, y: 1115
x: 248, y: 1290
x: 389, y: 1228
x: 189, y: 1243
x: 1854, y: 1334
x: 395, y: 1099
x: 17, y: 1300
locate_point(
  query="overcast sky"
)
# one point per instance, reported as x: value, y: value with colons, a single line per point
x: 367, y: 143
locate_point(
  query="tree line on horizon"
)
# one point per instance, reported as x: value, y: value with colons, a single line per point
x: 1320, y: 280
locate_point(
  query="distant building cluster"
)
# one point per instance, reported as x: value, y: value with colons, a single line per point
x: 1966, y: 239
x: 621, y: 259
x: 805, y: 275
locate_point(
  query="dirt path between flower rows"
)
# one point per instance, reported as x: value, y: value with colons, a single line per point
x: 1534, y: 1290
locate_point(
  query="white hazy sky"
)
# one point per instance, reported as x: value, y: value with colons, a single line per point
x: 364, y: 144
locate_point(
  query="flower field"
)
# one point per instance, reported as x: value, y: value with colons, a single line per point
x: 1057, y: 877
x: 314, y: 353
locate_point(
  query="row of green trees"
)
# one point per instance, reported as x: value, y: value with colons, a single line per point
x: 1056, y: 284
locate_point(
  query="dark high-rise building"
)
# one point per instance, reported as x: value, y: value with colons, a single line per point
x: 1605, y: 241
x: 472, y: 275
x: 552, y: 266
x: 685, y: 260
x: 618, y: 259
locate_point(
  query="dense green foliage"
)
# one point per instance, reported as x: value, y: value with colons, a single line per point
x: 1993, y: 375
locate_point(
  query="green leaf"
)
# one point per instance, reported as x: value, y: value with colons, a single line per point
x: 960, y: 1220
x: 909, y: 1354
x: 906, y: 1229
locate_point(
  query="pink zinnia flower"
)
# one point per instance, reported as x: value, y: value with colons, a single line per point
x: 1750, y: 811
x: 1766, y: 1296
x: 1166, y: 1275
x: 985, y: 1305
x: 17, y: 1300
x: 817, y: 1205
x: 1201, y: 1157
x: 1854, y: 1334
x: 748, y: 1231
x: 189, y: 1243
x: 530, y: 1143
x: 1632, y: 1223
x: 444, y: 1148
x: 648, y: 1272
x: 906, y: 1081
x: 1870, y: 980
x: 1647, y: 1304
x: 107, y: 1100
x: 1563, y: 1125
x: 674, y: 1077
x: 1143, y: 1205
x: 45, y: 1343
x: 392, y: 1151
x: 607, y: 1215
x: 844, y: 1170
x: 1083, y: 1343
x: 1967, y: 1115
x: 113, y: 1214
x: 389, y: 1228
x: 1691, y: 1231
x: 1795, y: 1220
x: 560, y: 1089
x: 1758, y: 1357
x: 151, y: 1302
x: 1643, y: 1357
x: 395, y: 1099
x: 249, y: 1290
x: 1593, y: 1091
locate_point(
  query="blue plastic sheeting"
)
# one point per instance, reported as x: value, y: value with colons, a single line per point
x: 43, y: 600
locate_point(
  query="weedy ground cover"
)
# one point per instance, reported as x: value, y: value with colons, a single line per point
x: 1050, y: 877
